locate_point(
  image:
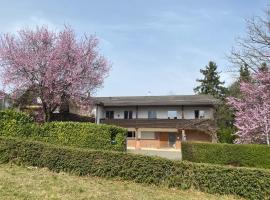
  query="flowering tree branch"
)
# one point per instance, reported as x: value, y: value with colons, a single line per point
x: 55, y: 63
x: 252, y: 116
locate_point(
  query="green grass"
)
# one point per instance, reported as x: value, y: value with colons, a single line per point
x: 17, y: 182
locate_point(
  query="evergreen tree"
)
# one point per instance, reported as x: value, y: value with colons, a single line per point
x: 263, y: 67
x: 234, y: 88
x: 225, y: 116
x: 244, y: 74
x: 210, y: 83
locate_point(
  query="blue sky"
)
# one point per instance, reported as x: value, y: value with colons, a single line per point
x: 154, y: 45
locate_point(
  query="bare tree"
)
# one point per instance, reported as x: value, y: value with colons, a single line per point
x: 253, y: 50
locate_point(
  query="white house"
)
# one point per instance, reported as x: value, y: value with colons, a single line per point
x: 5, y: 101
x: 160, y: 121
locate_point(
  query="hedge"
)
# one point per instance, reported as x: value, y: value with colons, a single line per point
x: 227, y: 154
x: 246, y: 182
x: 77, y: 134
x: 13, y: 123
x: 84, y: 135
x: 20, y: 117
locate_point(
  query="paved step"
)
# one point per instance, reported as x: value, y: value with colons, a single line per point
x: 169, y: 154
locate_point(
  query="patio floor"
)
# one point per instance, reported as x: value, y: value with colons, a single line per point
x: 172, y: 154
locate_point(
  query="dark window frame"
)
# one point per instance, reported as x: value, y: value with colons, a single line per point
x: 197, y: 114
x: 128, y: 114
x: 125, y: 114
x: 132, y: 133
x: 152, y: 114
x: 109, y: 114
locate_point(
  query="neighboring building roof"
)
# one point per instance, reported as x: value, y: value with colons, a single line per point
x: 170, y: 100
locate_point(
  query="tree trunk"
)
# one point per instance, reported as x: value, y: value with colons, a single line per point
x: 48, y: 116
x: 46, y: 113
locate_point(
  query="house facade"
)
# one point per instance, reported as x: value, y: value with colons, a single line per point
x: 157, y: 122
x: 5, y: 101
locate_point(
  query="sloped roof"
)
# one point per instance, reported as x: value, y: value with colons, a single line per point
x: 170, y: 100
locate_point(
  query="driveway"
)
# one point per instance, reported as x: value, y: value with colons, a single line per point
x: 164, y: 153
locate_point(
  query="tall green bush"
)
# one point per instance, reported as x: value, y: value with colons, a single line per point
x: 13, y: 123
x: 227, y: 154
x: 77, y: 134
x: 85, y: 135
x: 20, y: 117
x: 246, y: 182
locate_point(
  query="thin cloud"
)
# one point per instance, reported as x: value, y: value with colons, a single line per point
x: 30, y: 22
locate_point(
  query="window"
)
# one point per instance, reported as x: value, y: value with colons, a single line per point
x: 148, y: 135
x: 196, y: 113
x: 125, y: 114
x: 128, y: 114
x: 202, y: 114
x: 152, y: 114
x: 172, y: 114
x: 109, y: 114
x: 39, y: 101
x: 199, y: 114
x: 131, y: 135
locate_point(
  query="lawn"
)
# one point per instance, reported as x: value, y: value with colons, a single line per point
x: 19, y: 182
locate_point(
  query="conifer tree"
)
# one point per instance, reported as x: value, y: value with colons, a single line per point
x: 210, y: 83
x: 244, y: 73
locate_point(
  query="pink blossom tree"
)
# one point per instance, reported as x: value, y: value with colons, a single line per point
x: 252, y: 110
x: 59, y: 66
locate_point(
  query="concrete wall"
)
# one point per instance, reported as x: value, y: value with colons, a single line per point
x: 119, y: 112
x: 162, y: 111
x: 161, y: 141
x: 1, y: 104
x: 75, y: 109
x: 189, y: 112
x: 5, y: 103
x: 195, y: 135
x: 99, y: 113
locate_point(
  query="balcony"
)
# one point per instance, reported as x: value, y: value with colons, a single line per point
x: 161, y: 123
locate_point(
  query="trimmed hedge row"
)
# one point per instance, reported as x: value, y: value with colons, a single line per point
x: 84, y: 135
x: 77, y: 134
x: 249, y: 155
x: 20, y: 117
x: 245, y: 182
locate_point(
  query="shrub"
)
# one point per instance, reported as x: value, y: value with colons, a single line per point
x: 15, y: 123
x: 228, y: 154
x: 245, y: 182
x: 84, y: 135
x: 226, y: 134
x: 20, y: 117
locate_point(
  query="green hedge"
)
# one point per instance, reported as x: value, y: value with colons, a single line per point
x: 77, y: 134
x: 245, y: 182
x: 227, y: 154
x: 13, y: 123
x: 84, y: 135
x: 20, y: 117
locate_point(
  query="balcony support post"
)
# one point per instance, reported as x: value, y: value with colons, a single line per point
x: 182, y: 112
x: 97, y: 115
x: 158, y: 139
x: 137, y: 139
x: 178, y: 141
x: 184, y: 137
